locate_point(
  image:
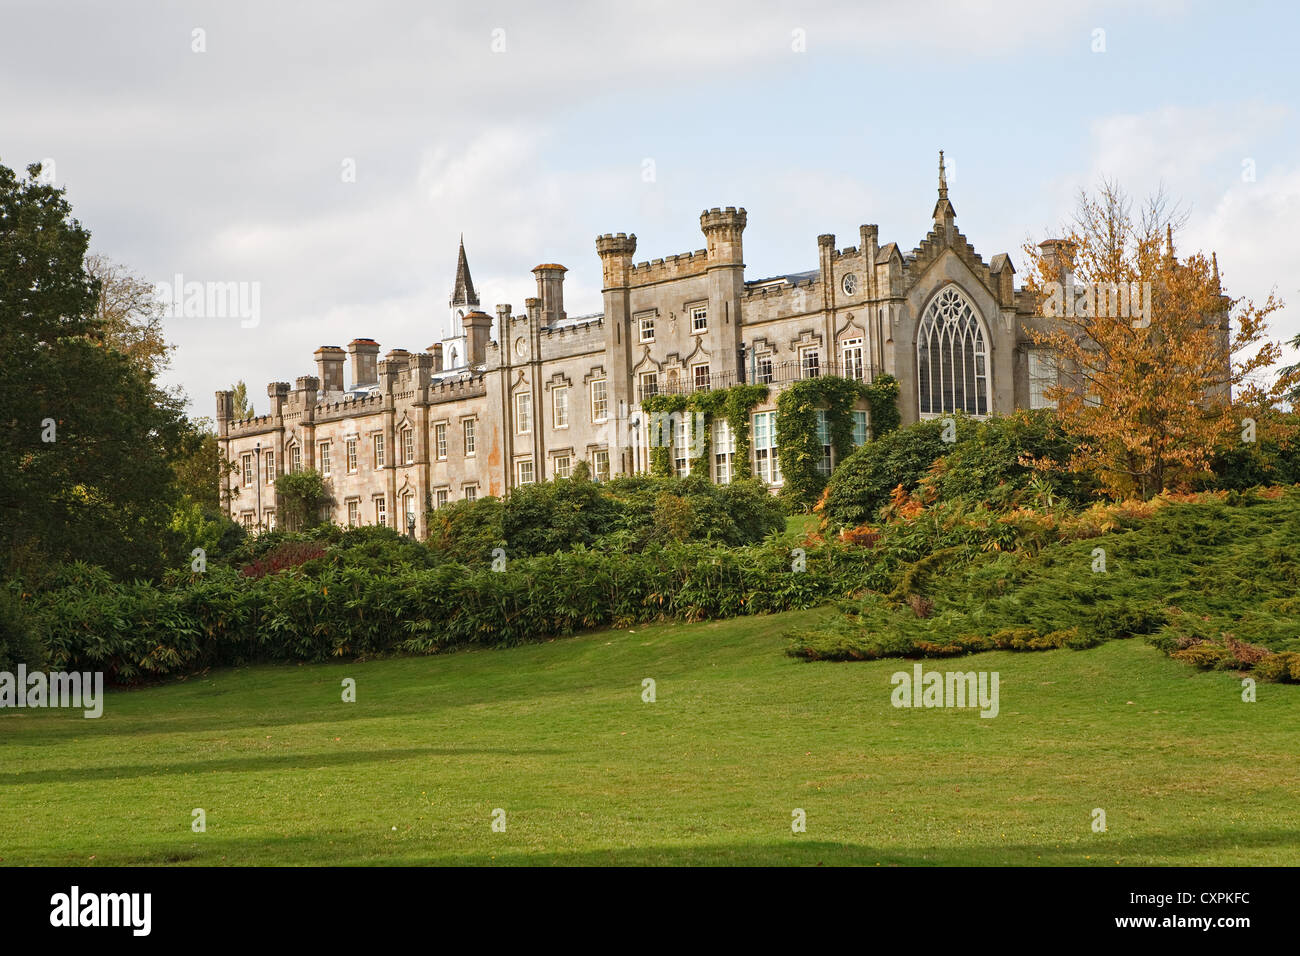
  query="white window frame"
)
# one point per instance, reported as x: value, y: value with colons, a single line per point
x: 379, y: 450
x: 520, y: 464
x: 325, y: 463
x: 560, y: 406
x: 269, y: 463
x: 724, y: 452
x: 440, y: 440
x: 644, y: 323
x: 652, y: 376
x: 600, y: 465
x: 813, y: 353
x: 408, y: 445
x: 523, y: 412
x: 827, y: 462
x: 696, y: 377
x: 469, y: 428
x: 767, y: 462
x: 562, y: 466
x: 600, y: 406
x: 699, y: 319
x: 851, y: 358
x: 682, y: 425
x: 381, y: 511
x: 350, y: 449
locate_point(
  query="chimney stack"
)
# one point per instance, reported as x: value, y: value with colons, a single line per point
x: 478, y: 328
x: 329, y: 368
x: 365, y: 361
x: 550, y: 289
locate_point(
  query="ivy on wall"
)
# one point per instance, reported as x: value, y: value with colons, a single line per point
x: 733, y: 404
x: 798, y: 445
x: 882, y: 397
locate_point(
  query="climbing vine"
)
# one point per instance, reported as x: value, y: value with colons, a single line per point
x: 798, y: 445
x: 882, y: 396
x: 733, y: 404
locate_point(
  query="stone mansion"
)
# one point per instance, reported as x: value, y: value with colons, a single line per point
x: 511, y: 398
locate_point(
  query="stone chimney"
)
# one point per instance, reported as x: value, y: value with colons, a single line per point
x: 365, y: 361
x: 398, y: 359
x: 436, y: 351
x: 1059, y: 254
x: 550, y: 289
x: 478, y: 328
x: 329, y: 368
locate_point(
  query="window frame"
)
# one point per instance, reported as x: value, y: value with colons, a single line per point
x: 603, y: 415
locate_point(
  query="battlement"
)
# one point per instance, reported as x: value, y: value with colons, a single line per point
x: 671, y: 267
x: 616, y: 244
x: 729, y: 218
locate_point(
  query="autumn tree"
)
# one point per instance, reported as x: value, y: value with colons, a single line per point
x: 1157, y: 367
x: 243, y: 408
x: 130, y: 315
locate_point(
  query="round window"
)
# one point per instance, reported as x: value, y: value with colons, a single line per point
x: 849, y: 284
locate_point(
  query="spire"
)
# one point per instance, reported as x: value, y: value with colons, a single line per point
x: 1214, y: 261
x: 463, y: 293
x: 1169, y: 240
x: 944, y: 213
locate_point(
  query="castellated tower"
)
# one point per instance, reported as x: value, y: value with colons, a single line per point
x: 723, y: 229
x: 615, y: 251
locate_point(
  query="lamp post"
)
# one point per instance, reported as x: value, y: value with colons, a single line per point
x: 257, y: 453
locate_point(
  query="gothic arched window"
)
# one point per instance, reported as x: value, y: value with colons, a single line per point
x: 952, y: 357
x: 453, y: 363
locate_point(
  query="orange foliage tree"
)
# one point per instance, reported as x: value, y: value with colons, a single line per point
x: 1157, y: 368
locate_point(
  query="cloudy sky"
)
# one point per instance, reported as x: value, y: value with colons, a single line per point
x: 530, y: 128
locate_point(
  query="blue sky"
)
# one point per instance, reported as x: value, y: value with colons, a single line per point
x: 225, y: 165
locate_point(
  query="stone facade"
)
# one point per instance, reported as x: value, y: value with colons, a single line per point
x: 523, y: 397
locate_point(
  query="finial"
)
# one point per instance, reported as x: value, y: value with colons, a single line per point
x: 943, y: 179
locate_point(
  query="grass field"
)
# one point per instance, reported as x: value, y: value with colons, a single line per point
x: 740, y: 735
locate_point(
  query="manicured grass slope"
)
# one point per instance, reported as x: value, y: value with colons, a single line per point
x: 557, y: 735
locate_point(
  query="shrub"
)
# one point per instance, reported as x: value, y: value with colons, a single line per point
x: 866, y: 479
x: 1283, y: 667
x: 138, y: 630
x: 989, y: 463
x: 20, y: 639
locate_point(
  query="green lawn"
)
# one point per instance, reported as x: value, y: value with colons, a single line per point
x: 557, y: 735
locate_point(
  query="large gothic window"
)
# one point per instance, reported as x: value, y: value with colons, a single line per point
x: 952, y: 357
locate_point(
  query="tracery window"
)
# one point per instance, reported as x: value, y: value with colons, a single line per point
x: 952, y: 357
